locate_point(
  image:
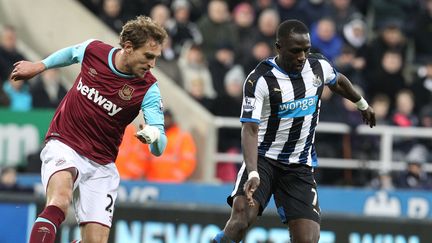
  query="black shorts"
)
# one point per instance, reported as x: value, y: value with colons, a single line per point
x: 293, y: 187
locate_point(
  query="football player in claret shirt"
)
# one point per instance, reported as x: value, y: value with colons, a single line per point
x: 87, y: 128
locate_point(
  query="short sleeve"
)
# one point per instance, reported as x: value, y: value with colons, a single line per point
x: 329, y: 72
x: 254, y: 93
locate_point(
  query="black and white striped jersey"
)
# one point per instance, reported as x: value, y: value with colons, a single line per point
x: 286, y: 107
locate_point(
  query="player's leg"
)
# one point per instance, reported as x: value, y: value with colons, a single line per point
x: 243, y: 216
x: 58, y: 175
x: 94, y: 200
x: 94, y: 233
x: 296, y: 200
x: 59, y: 196
x: 304, y: 231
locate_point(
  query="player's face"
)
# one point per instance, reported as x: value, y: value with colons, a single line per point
x: 293, y: 51
x: 142, y: 59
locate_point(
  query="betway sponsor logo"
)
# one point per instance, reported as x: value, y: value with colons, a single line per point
x: 93, y: 95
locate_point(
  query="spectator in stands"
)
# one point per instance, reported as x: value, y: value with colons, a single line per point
x: 372, y: 148
x: 423, y: 32
x: 8, y: 181
x: 197, y: 92
x: 315, y: 9
x: 341, y: 11
x: 388, y: 79
x: 381, y: 105
x: 18, y: 94
x: 260, y: 51
x: 426, y: 116
x: 331, y: 105
x: 268, y: 22
x: 94, y: 6
x: 176, y: 165
x: 291, y: 9
x: 112, y: 14
x: 168, y: 62
x: 193, y: 66
x: 220, y: 64
x: 229, y: 105
x: 403, y: 10
x: 390, y: 37
x: 414, y: 177
x: 8, y: 52
x: 161, y: 14
x: 422, y: 85
x: 403, y: 116
x: 355, y: 146
x: 325, y: 39
x: 244, y: 17
x: 351, y: 65
x: 382, y: 181
x: 354, y: 34
x: 262, y: 5
x: 47, y: 90
x: 216, y: 27
x: 180, y: 28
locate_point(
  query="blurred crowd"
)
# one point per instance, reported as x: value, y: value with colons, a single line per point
x: 380, y: 45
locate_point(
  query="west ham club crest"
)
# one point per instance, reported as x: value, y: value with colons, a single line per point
x: 126, y: 92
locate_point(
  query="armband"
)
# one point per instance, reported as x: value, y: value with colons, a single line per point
x: 252, y: 174
x: 362, y: 104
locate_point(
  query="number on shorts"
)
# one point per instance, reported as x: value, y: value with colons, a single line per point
x: 314, y: 202
x: 108, y: 208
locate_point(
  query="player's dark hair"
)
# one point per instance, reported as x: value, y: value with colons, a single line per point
x: 291, y: 26
x: 140, y: 30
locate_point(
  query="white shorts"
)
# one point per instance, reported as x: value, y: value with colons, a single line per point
x: 95, y: 188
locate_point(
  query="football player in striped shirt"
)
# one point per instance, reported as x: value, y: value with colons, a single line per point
x: 281, y: 103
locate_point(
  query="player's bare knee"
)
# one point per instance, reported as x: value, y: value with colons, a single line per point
x: 61, y: 200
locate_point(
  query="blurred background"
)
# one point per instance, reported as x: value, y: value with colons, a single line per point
x: 374, y: 184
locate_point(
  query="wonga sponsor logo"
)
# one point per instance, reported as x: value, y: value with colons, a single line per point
x: 93, y: 95
x: 298, y: 108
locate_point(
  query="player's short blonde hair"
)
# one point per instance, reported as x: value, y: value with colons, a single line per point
x: 140, y: 30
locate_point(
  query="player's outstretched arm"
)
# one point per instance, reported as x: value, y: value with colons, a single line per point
x: 64, y: 57
x: 24, y: 70
x: 344, y: 88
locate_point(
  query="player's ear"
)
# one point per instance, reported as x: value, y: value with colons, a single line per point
x: 277, y: 45
x: 128, y: 47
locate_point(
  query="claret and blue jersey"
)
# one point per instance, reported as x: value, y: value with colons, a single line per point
x: 286, y: 107
x: 102, y: 102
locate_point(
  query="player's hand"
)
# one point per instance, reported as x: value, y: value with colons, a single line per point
x: 369, y: 116
x: 148, y: 134
x: 250, y: 187
x: 24, y: 70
